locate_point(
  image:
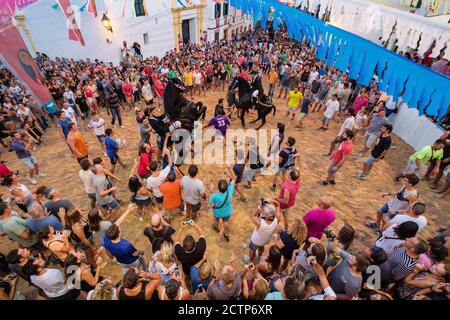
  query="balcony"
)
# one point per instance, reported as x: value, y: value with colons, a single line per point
x: 226, y: 21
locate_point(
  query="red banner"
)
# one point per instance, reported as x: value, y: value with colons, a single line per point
x: 72, y: 24
x: 14, y: 54
x: 92, y: 8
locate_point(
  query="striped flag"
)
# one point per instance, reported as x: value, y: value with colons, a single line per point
x: 72, y: 24
x: 92, y: 8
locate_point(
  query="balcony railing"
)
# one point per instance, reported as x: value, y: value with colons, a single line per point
x: 215, y: 23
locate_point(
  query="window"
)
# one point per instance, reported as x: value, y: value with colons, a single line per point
x: 217, y: 10
x: 139, y: 8
x: 145, y: 38
x: 225, y: 8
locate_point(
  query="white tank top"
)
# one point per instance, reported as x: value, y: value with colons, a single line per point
x: 262, y: 236
x: 21, y: 187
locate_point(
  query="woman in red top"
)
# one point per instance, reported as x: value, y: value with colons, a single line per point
x: 94, y: 95
x: 146, y: 152
x: 159, y: 86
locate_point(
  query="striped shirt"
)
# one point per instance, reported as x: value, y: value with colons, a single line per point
x: 401, y: 264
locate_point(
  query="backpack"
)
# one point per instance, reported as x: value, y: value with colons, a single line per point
x: 290, y: 162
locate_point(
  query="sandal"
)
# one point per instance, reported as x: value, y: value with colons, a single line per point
x: 226, y: 236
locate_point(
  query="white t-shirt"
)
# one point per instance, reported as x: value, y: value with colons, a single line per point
x: 389, y: 245
x: 86, y: 176
x: 312, y: 76
x: 197, y: 78
x: 193, y: 188
x: 99, y: 126
x: 70, y: 113
x: 331, y: 108
x: 153, y: 183
x: 69, y: 97
x: 52, y: 282
x: 327, y: 292
x: 420, y: 220
x: 147, y: 92
x: 360, y: 119
x: 349, y: 123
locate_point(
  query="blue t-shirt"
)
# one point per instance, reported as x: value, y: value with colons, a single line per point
x: 65, y: 126
x: 111, y: 147
x: 50, y: 107
x: 123, y: 250
x: 38, y: 225
x: 20, y: 148
x: 196, y: 281
x: 218, y: 199
x: 274, y: 296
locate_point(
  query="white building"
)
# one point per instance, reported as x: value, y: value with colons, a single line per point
x: 157, y: 25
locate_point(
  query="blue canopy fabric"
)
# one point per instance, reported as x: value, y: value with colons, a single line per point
x: 420, y: 87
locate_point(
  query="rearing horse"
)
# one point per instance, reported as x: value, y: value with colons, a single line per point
x: 245, y: 96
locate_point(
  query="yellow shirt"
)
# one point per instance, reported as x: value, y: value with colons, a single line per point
x: 294, y: 98
x: 188, y: 79
x: 273, y: 77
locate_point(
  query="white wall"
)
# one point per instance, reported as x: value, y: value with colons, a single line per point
x: 414, y: 130
x: 49, y: 32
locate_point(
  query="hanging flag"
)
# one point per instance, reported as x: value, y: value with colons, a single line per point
x: 17, y: 59
x: 72, y: 25
x: 92, y: 7
x: 83, y: 6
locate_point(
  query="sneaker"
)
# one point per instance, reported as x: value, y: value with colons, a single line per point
x: 32, y: 181
x: 360, y: 176
x: 273, y: 187
x: 123, y: 127
x: 326, y: 154
x: 105, y: 154
x: 332, y: 182
x: 323, y: 182
x: 141, y: 219
x: 40, y: 175
x: 372, y: 225
x: 361, y: 153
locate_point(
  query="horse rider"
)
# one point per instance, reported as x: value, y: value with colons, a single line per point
x: 257, y: 88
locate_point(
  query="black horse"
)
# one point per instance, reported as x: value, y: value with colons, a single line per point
x: 178, y: 108
x: 245, y: 103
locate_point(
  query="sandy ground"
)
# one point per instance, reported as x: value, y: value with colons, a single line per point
x: 353, y: 199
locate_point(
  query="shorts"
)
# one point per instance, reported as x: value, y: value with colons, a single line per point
x: 384, y: 209
x: 336, y: 140
x: 189, y: 88
x: 250, y: 174
x: 411, y: 167
x: 224, y: 219
x: 319, y: 99
x: 291, y: 109
x: 370, y: 160
x: 194, y: 207
x: 29, y: 162
x: 285, y: 169
x: 114, y: 159
x: 254, y: 247
x: 112, y: 205
x: 159, y: 199
x: 143, y: 202
x: 370, y: 139
x: 325, y: 119
x: 330, y: 168
x: 92, y: 196
x: 101, y: 138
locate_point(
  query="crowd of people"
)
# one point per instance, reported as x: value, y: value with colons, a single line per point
x: 61, y: 249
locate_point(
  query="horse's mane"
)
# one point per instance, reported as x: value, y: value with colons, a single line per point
x: 173, y: 100
x: 242, y: 85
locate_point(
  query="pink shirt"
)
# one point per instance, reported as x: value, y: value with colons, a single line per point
x: 292, y: 189
x: 127, y: 90
x: 317, y: 220
x: 360, y: 102
x: 345, y: 148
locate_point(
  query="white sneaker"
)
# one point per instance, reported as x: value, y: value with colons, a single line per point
x: 105, y: 154
x: 141, y: 219
x: 40, y: 175
x: 32, y: 181
x: 123, y: 127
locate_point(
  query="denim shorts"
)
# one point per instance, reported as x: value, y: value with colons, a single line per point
x: 112, y: 205
x: 254, y: 247
x: 29, y: 162
x: 384, y: 209
x: 370, y: 160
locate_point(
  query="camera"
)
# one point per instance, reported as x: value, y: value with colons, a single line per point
x: 329, y: 234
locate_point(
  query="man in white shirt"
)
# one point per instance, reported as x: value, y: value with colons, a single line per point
x: 98, y: 124
x: 86, y: 176
x: 70, y: 113
x: 331, y: 108
x: 193, y: 191
x: 147, y: 92
x: 52, y: 281
x: 312, y: 75
x: 157, y: 178
x: 414, y: 214
x: 348, y: 124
